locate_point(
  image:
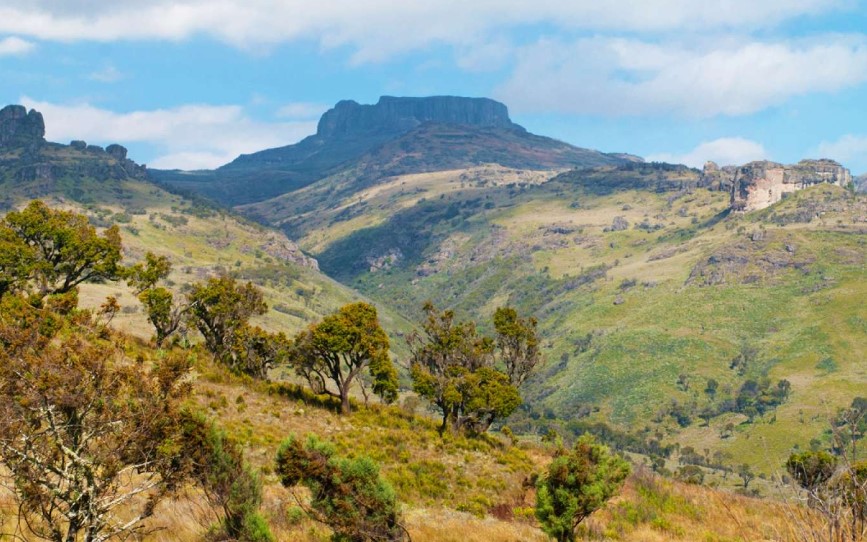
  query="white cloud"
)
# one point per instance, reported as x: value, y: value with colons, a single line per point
x: 15, y: 46
x: 188, y: 137
x: 377, y: 29
x: 620, y: 76
x: 302, y: 111
x: 724, y: 151
x: 850, y: 150
x: 108, y: 74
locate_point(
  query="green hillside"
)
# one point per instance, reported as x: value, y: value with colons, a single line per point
x: 201, y: 240
x: 645, y: 286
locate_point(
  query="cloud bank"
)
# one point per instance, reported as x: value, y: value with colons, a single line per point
x: 725, y: 151
x: 15, y: 46
x: 629, y: 77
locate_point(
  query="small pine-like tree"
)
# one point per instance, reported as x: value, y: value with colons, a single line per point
x: 231, y: 486
x: 578, y: 482
x: 348, y: 495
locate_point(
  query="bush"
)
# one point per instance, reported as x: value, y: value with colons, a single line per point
x: 348, y: 495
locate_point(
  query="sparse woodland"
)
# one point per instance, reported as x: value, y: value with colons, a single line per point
x: 101, y: 433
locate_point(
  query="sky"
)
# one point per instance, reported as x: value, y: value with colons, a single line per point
x: 192, y: 84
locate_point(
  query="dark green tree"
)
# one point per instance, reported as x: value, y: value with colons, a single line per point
x: 63, y: 250
x: 333, y: 353
x: 348, y: 495
x: 746, y: 474
x: 456, y: 369
x: 17, y: 260
x: 577, y: 483
x: 711, y: 388
x: 221, y: 310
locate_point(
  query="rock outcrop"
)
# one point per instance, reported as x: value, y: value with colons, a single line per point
x: 393, y: 115
x: 27, y: 158
x: 280, y: 247
x: 758, y: 185
x: 20, y: 128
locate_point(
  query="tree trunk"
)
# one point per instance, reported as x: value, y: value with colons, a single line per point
x: 345, y: 406
x: 445, y: 423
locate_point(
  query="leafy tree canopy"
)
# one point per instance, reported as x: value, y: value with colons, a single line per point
x: 333, y: 353
x: 577, y: 483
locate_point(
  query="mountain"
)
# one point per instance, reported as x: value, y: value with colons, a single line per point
x: 394, y: 136
x: 487, y: 234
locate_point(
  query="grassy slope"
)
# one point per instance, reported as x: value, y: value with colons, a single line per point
x: 660, y: 309
x: 201, y: 242
x: 451, y: 488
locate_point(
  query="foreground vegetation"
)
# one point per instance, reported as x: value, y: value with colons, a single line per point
x: 150, y: 405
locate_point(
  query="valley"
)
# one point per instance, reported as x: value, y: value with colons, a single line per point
x: 690, y: 332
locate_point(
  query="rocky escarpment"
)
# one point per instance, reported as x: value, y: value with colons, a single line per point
x: 20, y: 128
x: 398, y: 115
x: 758, y: 185
x: 26, y: 158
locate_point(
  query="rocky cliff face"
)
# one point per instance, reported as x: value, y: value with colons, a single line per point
x: 398, y: 115
x: 18, y: 128
x: 25, y: 156
x: 758, y: 185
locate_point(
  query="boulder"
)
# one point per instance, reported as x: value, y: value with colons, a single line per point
x: 116, y: 151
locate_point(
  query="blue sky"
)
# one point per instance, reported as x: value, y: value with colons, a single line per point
x: 194, y: 83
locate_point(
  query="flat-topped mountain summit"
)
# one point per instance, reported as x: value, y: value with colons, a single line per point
x: 395, y: 136
x: 392, y: 114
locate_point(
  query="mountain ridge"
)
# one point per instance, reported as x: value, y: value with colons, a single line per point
x: 350, y: 135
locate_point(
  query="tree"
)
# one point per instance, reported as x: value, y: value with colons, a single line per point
x: 146, y: 275
x: 746, y: 474
x: 850, y: 424
x: 811, y: 469
x: 455, y: 368
x: 348, y: 495
x: 84, y: 432
x: 221, y: 310
x: 336, y: 350
x: 159, y: 302
x: 518, y: 344
x: 577, y: 483
x: 63, y: 250
x: 230, y: 485
x: 16, y: 261
x: 711, y: 388
x: 707, y: 413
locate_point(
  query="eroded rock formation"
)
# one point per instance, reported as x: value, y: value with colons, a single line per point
x: 758, y: 185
